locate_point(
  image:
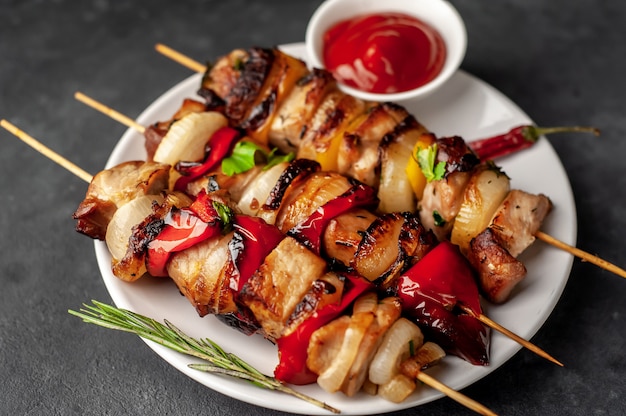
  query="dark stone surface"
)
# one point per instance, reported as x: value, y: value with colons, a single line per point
x: 563, y: 62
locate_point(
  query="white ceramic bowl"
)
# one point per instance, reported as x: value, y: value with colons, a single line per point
x: 440, y: 14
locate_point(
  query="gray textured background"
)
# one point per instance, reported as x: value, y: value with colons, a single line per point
x: 563, y: 62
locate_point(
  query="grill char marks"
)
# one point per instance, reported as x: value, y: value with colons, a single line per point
x: 243, y: 94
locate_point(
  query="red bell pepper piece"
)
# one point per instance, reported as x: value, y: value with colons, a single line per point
x: 203, y: 206
x: 292, y: 349
x: 183, y: 229
x: 309, y: 232
x: 218, y: 147
x: 253, y: 241
x: 430, y: 291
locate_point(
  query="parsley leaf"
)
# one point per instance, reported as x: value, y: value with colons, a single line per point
x: 226, y: 214
x: 273, y: 159
x: 439, y: 221
x: 426, y: 160
x: 242, y: 158
x: 245, y: 156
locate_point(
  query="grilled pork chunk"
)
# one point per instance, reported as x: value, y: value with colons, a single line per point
x: 498, y: 271
x: 518, y: 219
x: 493, y: 252
x: 112, y: 188
x: 202, y: 274
x: 289, y: 286
x: 292, y: 116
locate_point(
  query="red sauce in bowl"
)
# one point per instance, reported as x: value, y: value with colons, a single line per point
x: 384, y: 53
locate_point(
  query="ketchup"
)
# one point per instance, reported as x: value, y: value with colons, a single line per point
x: 384, y: 53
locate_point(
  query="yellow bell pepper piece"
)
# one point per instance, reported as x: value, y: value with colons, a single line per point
x: 329, y: 158
x: 413, y: 170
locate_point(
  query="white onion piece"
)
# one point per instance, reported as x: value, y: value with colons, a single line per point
x: 486, y: 189
x: 256, y: 193
x: 333, y: 377
x: 124, y: 219
x: 397, y: 389
x: 325, y: 344
x: 365, y: 303
x: 395, y: 191
x: 187, y: 138
x: 395, y: 348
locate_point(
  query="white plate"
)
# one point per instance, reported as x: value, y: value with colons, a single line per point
x: 465, y: 106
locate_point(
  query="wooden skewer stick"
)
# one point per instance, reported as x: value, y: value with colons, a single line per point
x: 454, y: 395
x: 583, y: 255
x: 47, y: 152
x: 127, y: 121
x: 180, y: 58
x: 106, y: 110
x: 526, y: 344
x: 482, y: 318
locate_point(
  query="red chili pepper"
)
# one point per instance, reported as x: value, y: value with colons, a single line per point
x: 518, y: 138
x: 253, y: 241
x: 292, y: 349
x: 217, y: 148
x: 183, y: 229
x: 432, y: 288
x: 309, y: 232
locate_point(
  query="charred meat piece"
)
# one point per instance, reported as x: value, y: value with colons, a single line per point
x: 275, y: 292
x: 202, y: 274
x: 112, y: 188
x: 518, y: 219
x: 359, y: 154
x: 498, y: 271
x: 290, y: 123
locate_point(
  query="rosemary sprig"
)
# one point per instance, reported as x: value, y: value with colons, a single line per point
x: 217, y: 360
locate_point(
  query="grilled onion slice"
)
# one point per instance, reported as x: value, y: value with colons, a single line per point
x: 124, y: 219
x: 257, y: 192
x: 486, y: 189
x: 399, y: 340
x: 187, y: 138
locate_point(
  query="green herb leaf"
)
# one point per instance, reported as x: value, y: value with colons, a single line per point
x: 246, y: 155
x: 226, y: 215
x: 242, y: 159
x: 439, y: 221
x: 426, y: 160
x: 168, y: 335
x: 274, y: 159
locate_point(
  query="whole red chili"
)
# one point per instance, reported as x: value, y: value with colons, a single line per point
x: 518, y: 138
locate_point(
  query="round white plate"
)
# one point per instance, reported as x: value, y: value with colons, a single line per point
x: 465, y: 106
